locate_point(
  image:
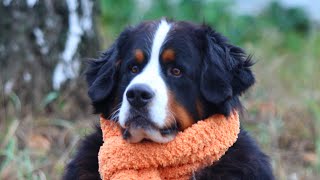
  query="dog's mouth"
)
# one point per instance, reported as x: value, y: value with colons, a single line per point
x: 140, y: 129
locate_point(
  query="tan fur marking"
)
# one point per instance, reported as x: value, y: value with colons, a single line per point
x: 139, y: 56
x: 199, y: 107
x: 168, y: 55
x: 184, y: 118
x: 118, y: 62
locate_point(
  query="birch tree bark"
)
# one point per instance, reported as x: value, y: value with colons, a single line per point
x: 43, y: 48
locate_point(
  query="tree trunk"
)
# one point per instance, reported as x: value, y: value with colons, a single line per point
x: 43, y: 48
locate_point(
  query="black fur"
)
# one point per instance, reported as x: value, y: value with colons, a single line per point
x: 102, y: 76
x: 85, y: 164
x: 225, y: 75
x: 215, y: 73
x: 243, y: 160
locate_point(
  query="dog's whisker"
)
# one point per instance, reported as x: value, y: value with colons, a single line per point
x: 172, y: 118
x: 114, y: 116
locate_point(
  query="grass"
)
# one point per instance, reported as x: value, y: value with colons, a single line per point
x: 283, y: 106
x: 315, y: 110
x: 38, y: 148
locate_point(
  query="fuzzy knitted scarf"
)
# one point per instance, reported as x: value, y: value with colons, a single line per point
x: 196, y: 147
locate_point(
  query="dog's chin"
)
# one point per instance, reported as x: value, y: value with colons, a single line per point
x: 135, y: 133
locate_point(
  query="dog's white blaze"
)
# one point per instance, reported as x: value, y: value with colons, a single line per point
x: 151, y: 76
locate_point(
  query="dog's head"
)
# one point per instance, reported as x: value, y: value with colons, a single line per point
x: 160, y: 77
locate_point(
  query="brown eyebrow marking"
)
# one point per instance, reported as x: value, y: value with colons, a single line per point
x: 139, y: 56
x: 168, y: 55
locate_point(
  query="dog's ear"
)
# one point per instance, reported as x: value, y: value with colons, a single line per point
x: 242, y: 76
x: 226, y: 70
x: 215, y: 84
x: 102, y: 73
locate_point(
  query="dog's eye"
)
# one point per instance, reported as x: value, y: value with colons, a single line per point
x: 175, y: 72
x: 134, y: 69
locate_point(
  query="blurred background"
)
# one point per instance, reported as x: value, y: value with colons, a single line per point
x: 44, y: 44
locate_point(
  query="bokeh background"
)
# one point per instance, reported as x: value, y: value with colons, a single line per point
x: 44, y: 45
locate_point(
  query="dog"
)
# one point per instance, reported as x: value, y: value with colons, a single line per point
x: 159, y: 78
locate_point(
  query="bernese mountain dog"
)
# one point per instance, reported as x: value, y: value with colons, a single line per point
x: 162, y: 76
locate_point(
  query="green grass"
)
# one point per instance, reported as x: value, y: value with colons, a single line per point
x: 315, y: 110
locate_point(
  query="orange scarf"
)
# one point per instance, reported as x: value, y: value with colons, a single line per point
x: 196, y: 147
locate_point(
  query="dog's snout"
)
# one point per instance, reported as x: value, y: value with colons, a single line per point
x: 139, y: 95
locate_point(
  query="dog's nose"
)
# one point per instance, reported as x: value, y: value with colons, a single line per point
x: 139, y: 95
